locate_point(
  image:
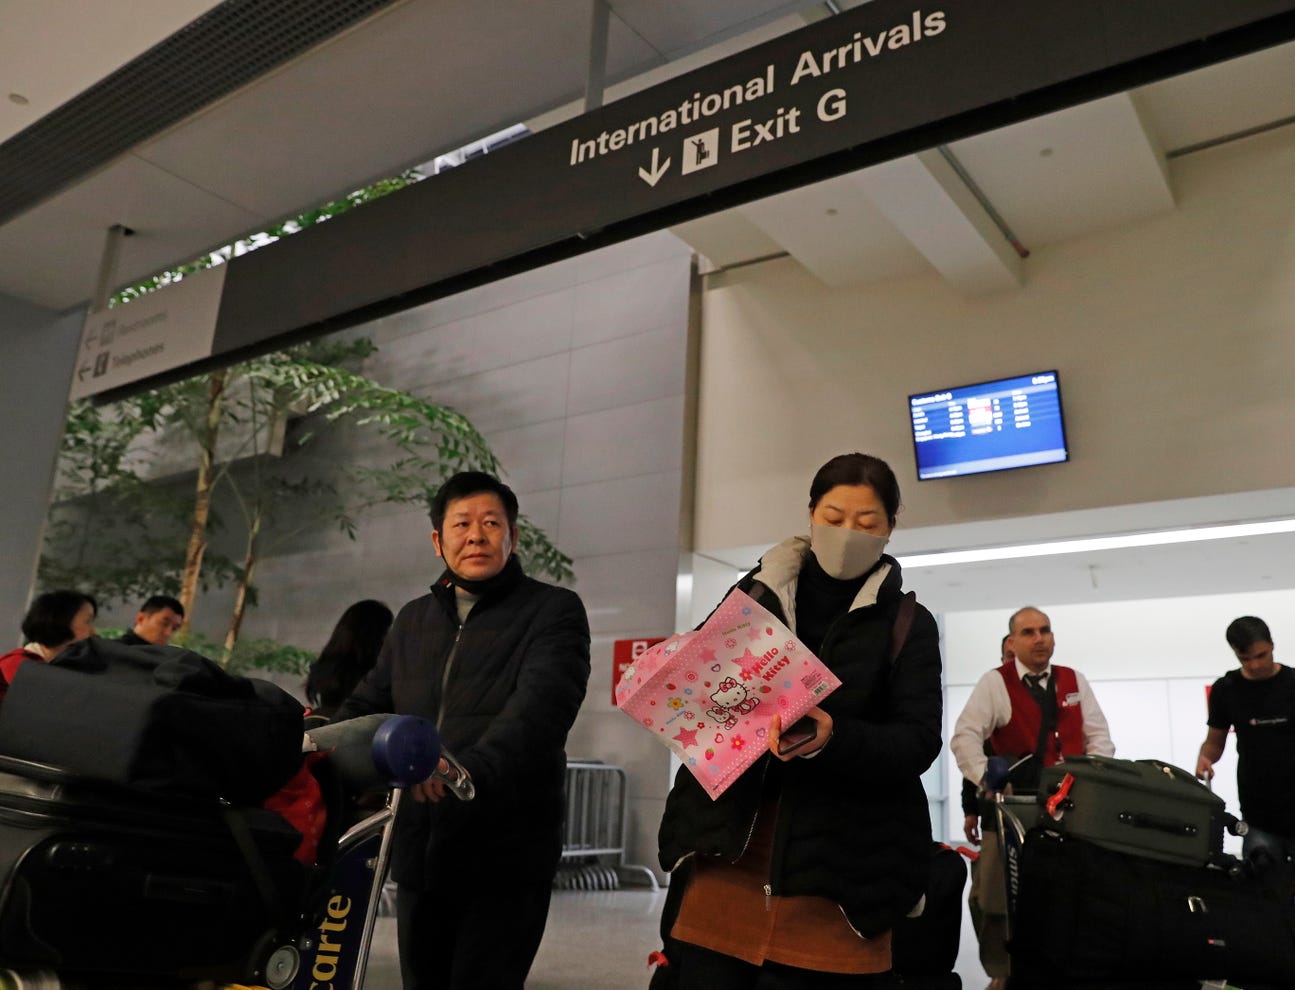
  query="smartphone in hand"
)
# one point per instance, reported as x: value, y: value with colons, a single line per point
x: 801, y: 733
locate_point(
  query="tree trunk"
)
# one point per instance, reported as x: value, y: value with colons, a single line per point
x: 240, y: 593
x: 202, y: 496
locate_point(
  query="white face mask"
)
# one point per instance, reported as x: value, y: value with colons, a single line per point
x: 845, y: 553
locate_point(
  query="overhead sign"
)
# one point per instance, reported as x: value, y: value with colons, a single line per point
x: 884, y: 79
x: 157, y: 332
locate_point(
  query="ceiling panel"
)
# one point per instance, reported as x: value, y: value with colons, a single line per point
x: 51, y: 50
x: 1237, y: 564
x: 1067, y: 174
x: 1222, y: 99
x: 1256, y: 564
x: 51, y: 255
x: 837, y: 232
x: 340, y: 123
x: 726, y: 238
x: 675, y: 29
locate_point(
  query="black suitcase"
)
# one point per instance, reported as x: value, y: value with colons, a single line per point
x: 925, y: 948
x: 153, y: 716
x: 1143, y: 807
x: 107, y: 880
x: 1087, y: 915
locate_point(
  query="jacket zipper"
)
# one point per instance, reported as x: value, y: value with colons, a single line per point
x: 445, y: 677
x: 768, y: 887
x: 764, y: 770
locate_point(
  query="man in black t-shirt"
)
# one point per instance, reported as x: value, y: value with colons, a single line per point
x: 1259, y: 701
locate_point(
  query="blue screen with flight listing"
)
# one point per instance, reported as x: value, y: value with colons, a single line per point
x: 990, y: 426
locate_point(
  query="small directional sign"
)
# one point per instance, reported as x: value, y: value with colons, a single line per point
x: 166, y: 329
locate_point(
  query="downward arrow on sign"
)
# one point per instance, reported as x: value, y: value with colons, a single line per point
x: 658, y: 170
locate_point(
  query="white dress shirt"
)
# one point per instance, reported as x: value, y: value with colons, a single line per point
x: 990, y: 708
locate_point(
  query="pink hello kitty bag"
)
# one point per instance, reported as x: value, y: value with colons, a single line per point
x: 709, y: 695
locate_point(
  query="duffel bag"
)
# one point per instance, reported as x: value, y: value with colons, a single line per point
x: 157, y: 717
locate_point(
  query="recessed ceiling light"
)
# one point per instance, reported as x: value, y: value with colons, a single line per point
x: 1198, y: 534
x: 18, y: 98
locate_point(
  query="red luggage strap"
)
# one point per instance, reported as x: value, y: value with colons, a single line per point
x: 1061, y: 793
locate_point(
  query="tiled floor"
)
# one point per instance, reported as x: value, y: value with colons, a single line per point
x: 595, y: 940
x: 600, y: 940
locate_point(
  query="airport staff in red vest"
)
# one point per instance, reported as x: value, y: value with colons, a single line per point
x: 1033, y: 712
x: 1029, y: 707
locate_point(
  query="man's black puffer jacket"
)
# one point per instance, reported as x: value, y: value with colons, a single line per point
x: 518, y: 677
x: 853, y: 823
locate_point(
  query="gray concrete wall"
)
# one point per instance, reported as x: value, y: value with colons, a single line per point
x: 577, y: 374
x: 35, y: 373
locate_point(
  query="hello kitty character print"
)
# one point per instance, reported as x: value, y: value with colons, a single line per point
x: 731, y: 700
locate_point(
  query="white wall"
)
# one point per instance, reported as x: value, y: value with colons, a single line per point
x: 1172, y: 336
x: 35, y: 373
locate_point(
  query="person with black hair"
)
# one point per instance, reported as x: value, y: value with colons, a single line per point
x: 1258, y: 700
x: 349, y: 654
x: 797, y: 874
x: 54, y: 621
x: 158, y: 619
x: 500, y: 661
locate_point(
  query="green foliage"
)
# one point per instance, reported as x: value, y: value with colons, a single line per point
x: 250, y: 656
x: 433, y: 442
x: 108, y: 530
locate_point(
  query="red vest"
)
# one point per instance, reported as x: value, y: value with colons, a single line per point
x: 1021, y: 735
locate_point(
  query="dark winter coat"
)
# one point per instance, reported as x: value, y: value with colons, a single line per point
x: 518, y: 677
x: 852, y: 822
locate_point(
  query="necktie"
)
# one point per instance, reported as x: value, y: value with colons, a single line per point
x: 1033, y: 684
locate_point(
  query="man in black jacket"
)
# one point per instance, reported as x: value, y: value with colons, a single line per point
x: 500, y: 661
x: 159, y: 618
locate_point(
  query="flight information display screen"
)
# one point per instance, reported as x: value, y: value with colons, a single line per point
x: 990, y: 426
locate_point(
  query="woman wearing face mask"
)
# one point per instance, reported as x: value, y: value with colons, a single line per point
x: 796, y: 875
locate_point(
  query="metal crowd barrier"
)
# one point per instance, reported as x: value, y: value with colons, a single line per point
x: 593, y: 837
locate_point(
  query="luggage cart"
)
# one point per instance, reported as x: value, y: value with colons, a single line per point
x: 1008, y: 810
x: 324, y: 940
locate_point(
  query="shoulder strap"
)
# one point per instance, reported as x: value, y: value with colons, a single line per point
x: 903, y: 622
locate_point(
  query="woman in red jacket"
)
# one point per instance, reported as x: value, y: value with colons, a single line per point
x: 55, y: 621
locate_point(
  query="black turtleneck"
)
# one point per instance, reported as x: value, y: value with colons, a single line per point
x: 820, y: 600
x: 501, y: 582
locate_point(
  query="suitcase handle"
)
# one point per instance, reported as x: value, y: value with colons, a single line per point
x: 1171, y: 825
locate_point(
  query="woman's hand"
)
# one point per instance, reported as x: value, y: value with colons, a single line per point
x: 823, y: 732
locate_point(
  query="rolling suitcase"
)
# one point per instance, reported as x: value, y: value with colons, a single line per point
x: 1086, y: 915
x: 1143, y: 808
x: 107, y: 885
x: 105, y: 879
